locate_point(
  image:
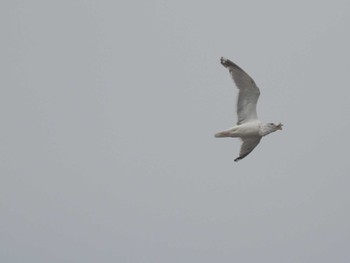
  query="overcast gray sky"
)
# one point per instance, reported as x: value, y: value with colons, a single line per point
x: 108, y: 111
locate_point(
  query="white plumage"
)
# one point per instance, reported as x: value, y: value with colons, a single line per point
x: 248, y: 127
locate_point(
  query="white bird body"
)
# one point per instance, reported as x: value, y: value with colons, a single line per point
x: 248, y: 127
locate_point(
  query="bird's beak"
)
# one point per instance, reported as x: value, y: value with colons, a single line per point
x: 279, y: 126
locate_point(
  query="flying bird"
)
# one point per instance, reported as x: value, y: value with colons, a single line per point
x: 248, y: 127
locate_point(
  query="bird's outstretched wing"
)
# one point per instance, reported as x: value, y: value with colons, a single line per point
x: 248, y: 92
x: 248, y: 146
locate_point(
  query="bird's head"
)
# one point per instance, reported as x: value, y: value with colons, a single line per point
x: 275, y: 127
x: 270, y: 127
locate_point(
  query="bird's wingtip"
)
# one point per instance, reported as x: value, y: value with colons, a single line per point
x: 224, y: 61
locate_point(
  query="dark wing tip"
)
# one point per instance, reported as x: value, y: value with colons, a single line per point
x: 239, y: 158
x: 228, y: 63
x: 242, y: 156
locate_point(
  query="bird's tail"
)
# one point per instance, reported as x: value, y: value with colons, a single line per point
x: 222, y: 134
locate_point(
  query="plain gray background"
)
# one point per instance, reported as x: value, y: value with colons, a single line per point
x: 108, y: 111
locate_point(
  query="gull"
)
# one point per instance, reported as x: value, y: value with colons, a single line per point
x: 248, y: 127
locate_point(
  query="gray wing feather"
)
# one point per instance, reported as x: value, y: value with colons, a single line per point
x: 247, y: 147
x: 248, y: 92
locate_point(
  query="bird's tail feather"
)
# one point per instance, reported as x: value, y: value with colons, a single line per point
x: 222, y: 134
